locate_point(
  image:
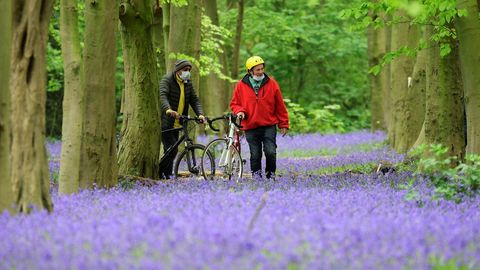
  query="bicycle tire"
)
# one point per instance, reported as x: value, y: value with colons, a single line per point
x: 188, y: 162
x: 213, y: 150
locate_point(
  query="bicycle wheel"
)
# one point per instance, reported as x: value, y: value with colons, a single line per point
x: 188, y: 162
x: 227, y: 164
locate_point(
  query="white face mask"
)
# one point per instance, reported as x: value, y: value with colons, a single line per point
x: 258, y: 78
x: 185, y: 75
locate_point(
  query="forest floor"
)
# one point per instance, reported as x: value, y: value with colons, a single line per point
x: 330, y: 207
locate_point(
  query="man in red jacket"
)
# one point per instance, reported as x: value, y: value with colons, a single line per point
x: 258, y: 100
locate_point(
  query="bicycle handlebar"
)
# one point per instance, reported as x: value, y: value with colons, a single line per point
x: 186, y: 118
x: 232, y: 117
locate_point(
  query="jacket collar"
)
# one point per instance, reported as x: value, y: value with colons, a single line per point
x: 247, y: 81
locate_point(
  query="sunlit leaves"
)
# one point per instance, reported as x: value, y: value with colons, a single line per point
x: 212, y: 45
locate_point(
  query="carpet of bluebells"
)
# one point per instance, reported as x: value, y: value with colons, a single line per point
x: 311, y: 217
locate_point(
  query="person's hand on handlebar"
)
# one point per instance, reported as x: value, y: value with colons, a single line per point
x: 202, y: 119
x: 173, y: 114
x: 283, y: 131
x: 241, y: 115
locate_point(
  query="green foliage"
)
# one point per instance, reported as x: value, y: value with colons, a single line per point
x: 451, y: 264
x: 439, y: 13
x: 213, y: 41
x: 314, y: 120
x: 310, y: 51
x: 54, y: 53
x: 126, y: 183
x: 452, y: 179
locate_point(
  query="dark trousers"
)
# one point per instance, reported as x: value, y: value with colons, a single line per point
x: 266, y: 138
x: 166, y: 167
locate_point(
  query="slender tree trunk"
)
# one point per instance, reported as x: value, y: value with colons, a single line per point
x: 387, y: 86
x: 73, y: 99
x: 166, y: 34
x: 99, y: 159
x: 444, y: 116
x: 140, y: 135
x: 28, y: 91
x: 238, y: 39
x: 468, y: 29
x: 376, y: 51
x: 158, y: 36
x: 213, y: 97
x: 6, y: 191
x: 403, y: 34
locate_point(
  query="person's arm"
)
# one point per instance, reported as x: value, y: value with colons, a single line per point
x: 281, y: 109
x: 164, y: 92
x: 195, y: 102
x: 235, y: 103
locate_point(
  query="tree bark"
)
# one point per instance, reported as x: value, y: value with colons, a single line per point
x: 403, y: 34
x: 415, y: 102
x: 238, y: 40
x: 444, y: 116
x: 386, y: 82
x: 6, y: 191
x: 28, y: 91
x: 99, y: 161
x: 73, y: 99
x: 185, y: 37
x: 214, y: 90
x: 376, y: 51
x: 185, y: 34
x: 468, y: 29
x: 140, y: 135
x: 158, y: 37
x: 166, y: 7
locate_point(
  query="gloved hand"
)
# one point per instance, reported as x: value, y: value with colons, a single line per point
x: 202, y: 119
x: 173, y: 114
x: 241, y: 115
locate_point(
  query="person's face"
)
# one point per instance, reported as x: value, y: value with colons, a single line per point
x: 187, y: 68
x: 258, y: 70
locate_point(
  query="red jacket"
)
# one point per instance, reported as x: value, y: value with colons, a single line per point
x: 265, y: 109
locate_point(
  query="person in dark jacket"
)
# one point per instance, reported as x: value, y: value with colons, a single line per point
x: 176, y: 94
x: 258, y: 100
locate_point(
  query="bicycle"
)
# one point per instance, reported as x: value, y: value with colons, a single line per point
x: 225, y: 152
x: 188, y: 162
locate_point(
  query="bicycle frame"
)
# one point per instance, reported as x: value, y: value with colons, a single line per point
x: 185, y: 137
x: 226, y: 157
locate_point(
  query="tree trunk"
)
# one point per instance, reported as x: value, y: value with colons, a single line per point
x: 185, y: 37
x: 140, y: 135
x: 214, y: 90
x: 73, y: 99
x: 158, y: 36
x: 468, y: 29
x: 28, y: 90
x: 444, y: 116
x: 99, y: 161
x: 6, y: 191
x: 238, y: 40
x: 166, y: 7
x: 403, y: 34
x: 376, y: 51
x: 386, y: 77
x: 185, y: 34
x: 415, y: 101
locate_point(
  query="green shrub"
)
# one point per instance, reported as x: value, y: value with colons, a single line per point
x: 313, y: 121
x: 452, y: 179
